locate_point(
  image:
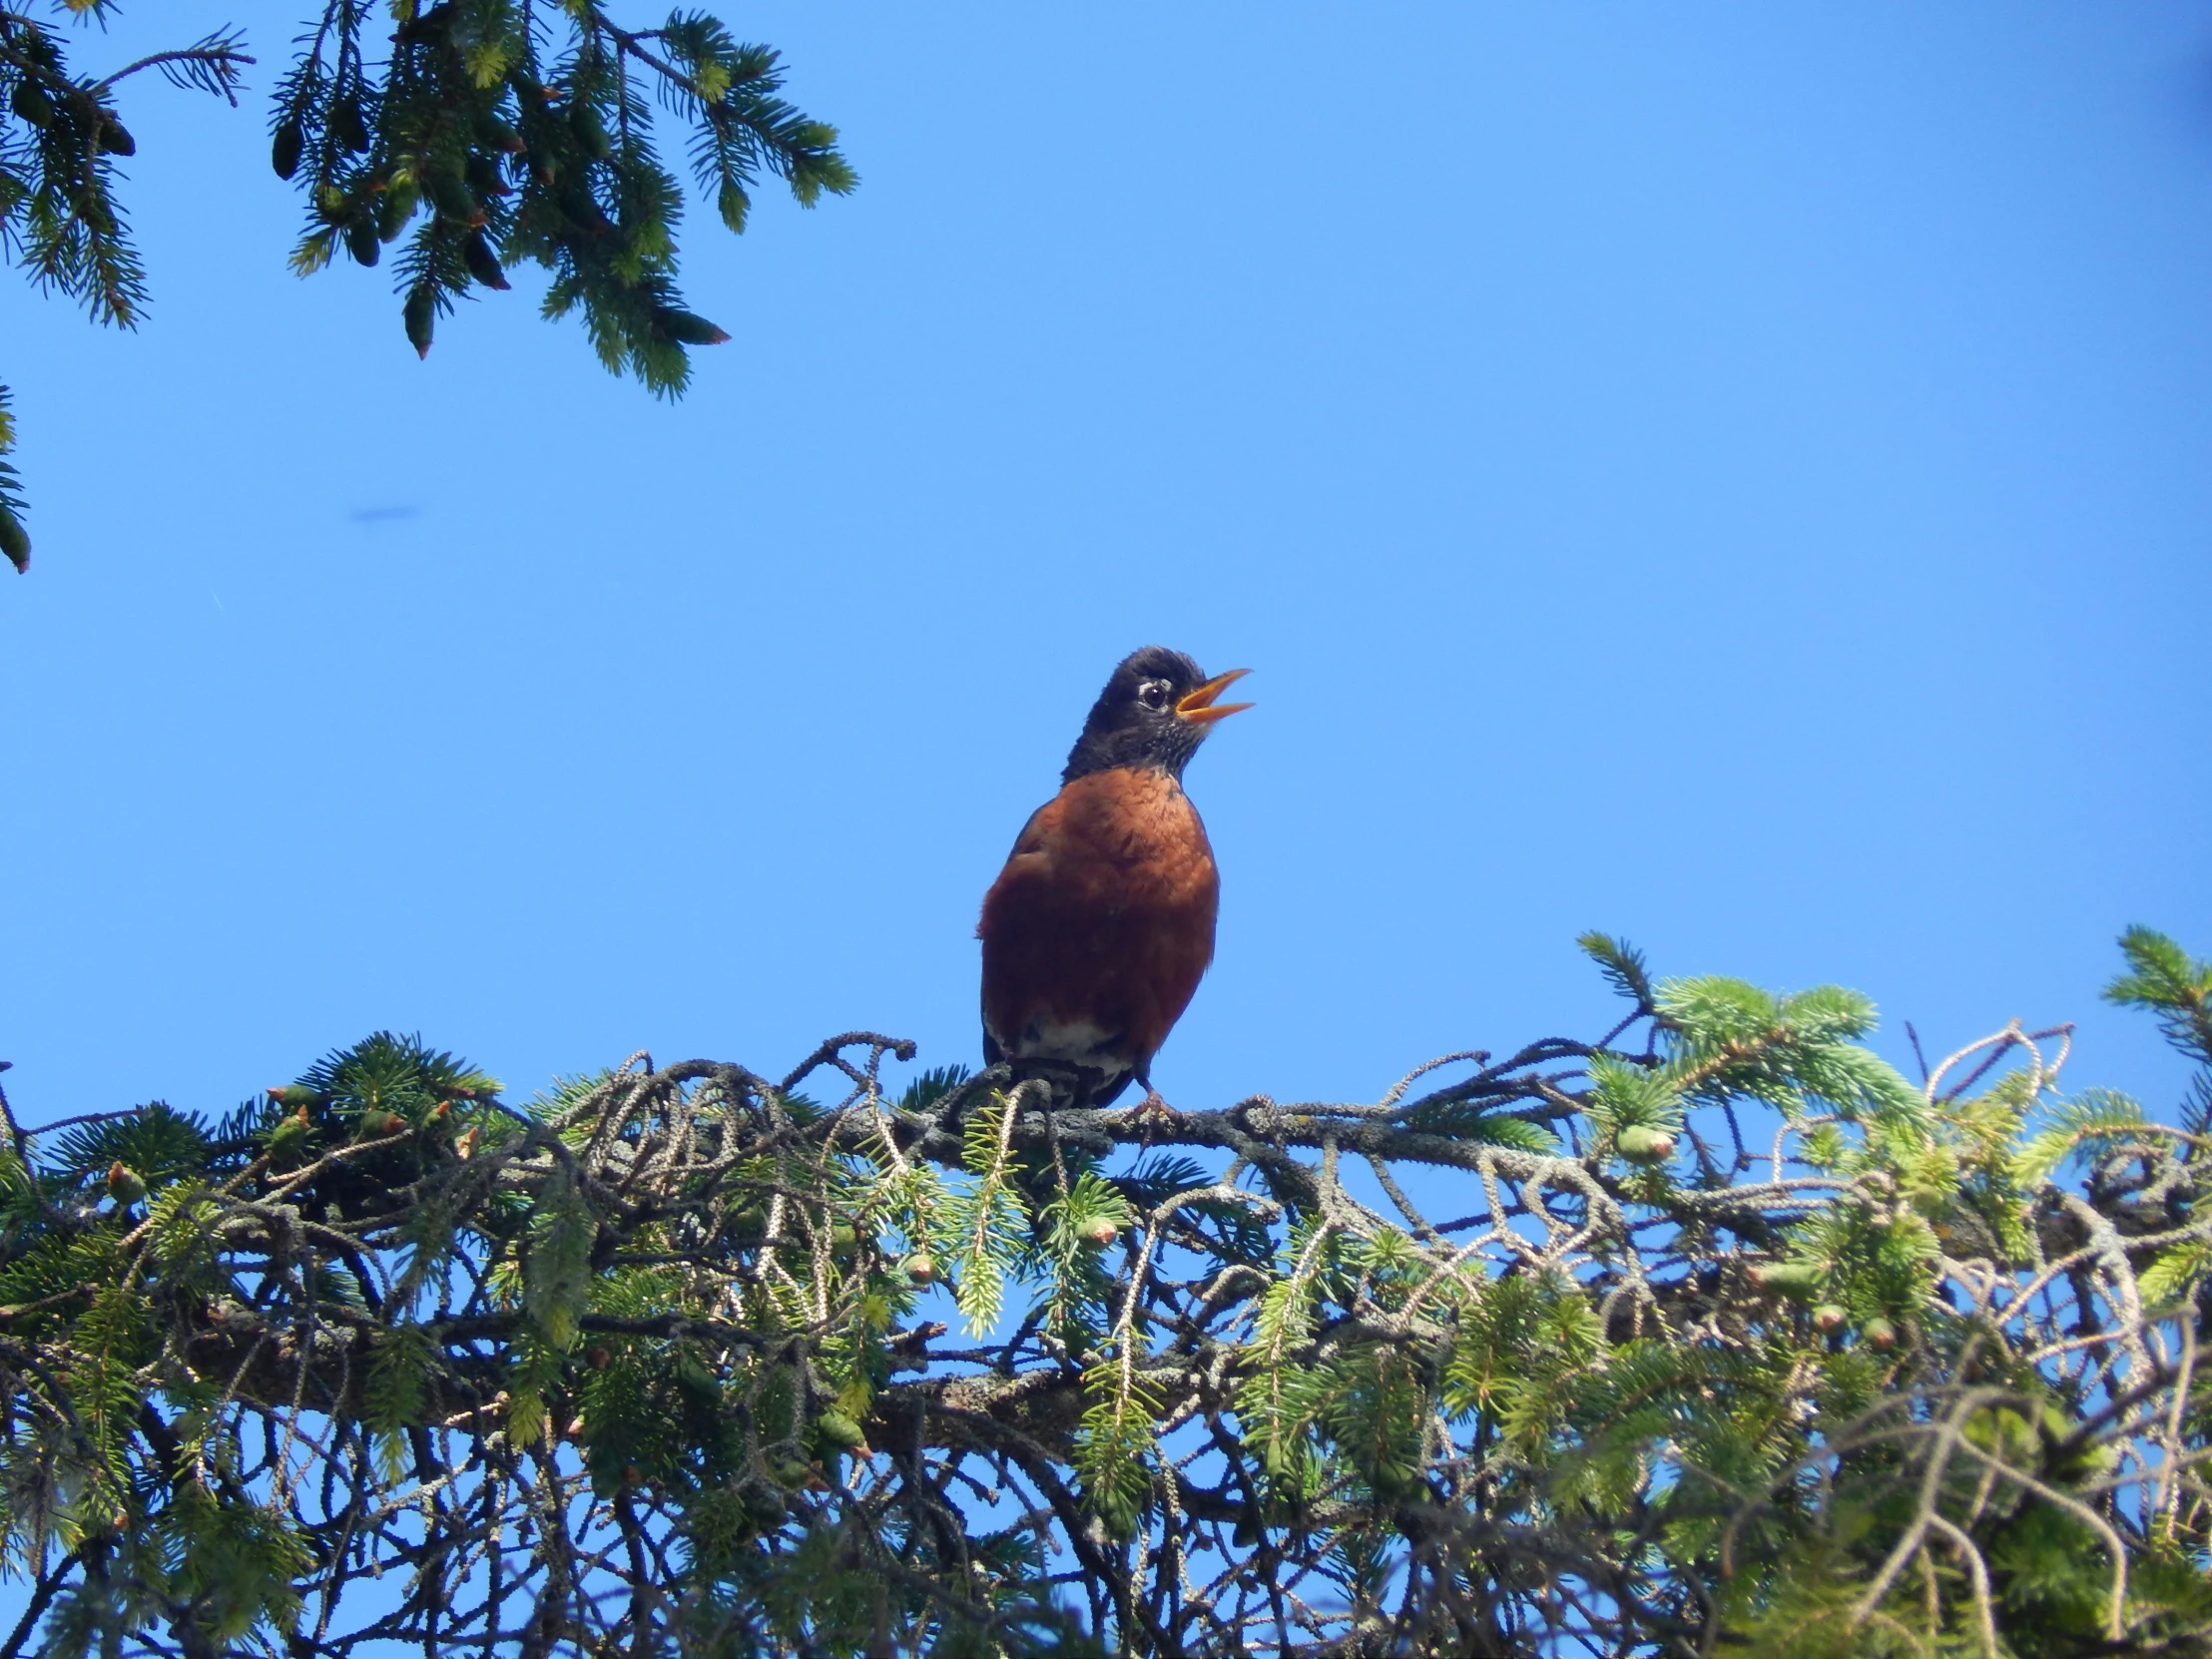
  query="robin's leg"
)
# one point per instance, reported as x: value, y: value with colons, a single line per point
x: 1151, y: 1111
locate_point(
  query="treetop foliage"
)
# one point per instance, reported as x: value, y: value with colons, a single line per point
x: 1715, y: 1335
x: 465, y: 134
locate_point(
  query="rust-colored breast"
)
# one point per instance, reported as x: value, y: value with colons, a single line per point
x: 1100, y: 926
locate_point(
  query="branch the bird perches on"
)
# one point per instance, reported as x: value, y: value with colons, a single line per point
x: 1715, y: 1329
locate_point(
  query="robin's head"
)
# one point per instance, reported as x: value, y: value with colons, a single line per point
x: 1154, y: 712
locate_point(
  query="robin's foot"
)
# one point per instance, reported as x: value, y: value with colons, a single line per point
x: 1154, y: 1113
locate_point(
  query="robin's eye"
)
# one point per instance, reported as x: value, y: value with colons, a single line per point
x: 1153, y: 694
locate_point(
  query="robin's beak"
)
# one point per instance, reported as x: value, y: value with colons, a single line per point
x: 1198, y: 706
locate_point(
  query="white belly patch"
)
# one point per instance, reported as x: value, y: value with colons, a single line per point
x: 1077, y: 1041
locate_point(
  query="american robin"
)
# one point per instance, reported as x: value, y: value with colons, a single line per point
x: 1097, y: 930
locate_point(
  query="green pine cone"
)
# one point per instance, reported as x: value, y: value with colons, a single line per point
x: 394, y: 208
x: 583, y: 207
x: 687, y: 330
x: 450, y: 195
x: 284, y: 148
x: 1794, y: 1279
x: 115, y: 137
x: 15, y: 541
x: 289, y: 1138
x: 421, y: 313
x: 483, y: 263
x: 31, y: 103
x: 348, y: 127
x: 362, y: 241
x: 484, y: 177
x: 590, y: 131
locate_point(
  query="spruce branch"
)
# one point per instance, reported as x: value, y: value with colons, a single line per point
x: 645, y: 1364
x: 477, y: 135
x: 214, y: 64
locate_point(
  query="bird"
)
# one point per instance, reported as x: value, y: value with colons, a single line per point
x: 1098, y: 930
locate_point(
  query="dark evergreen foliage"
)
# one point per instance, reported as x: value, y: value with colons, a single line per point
x: 468, y: 135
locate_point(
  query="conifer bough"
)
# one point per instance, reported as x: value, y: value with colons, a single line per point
x: 1865, y: 1366
x: 468, y: 135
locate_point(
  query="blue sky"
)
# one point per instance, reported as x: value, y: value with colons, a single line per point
x: 1735, y: 476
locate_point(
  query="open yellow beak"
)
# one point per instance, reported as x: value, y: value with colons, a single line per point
x: 1198, y: 706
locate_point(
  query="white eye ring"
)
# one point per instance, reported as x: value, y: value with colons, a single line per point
x: 1153, y: 692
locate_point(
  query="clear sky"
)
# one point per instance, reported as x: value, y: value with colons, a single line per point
x: 1734, y: 475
